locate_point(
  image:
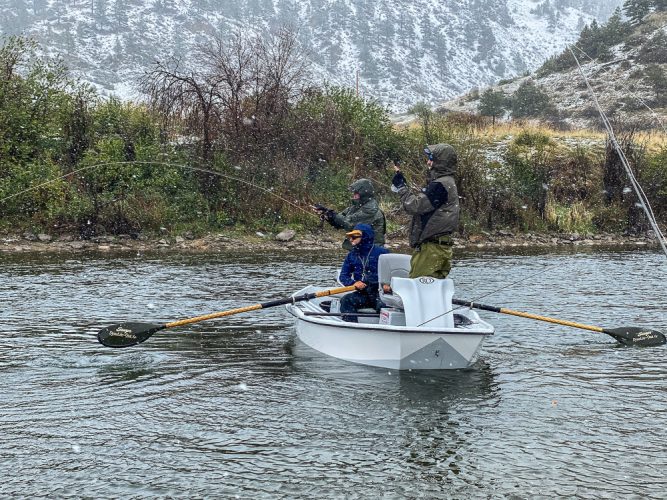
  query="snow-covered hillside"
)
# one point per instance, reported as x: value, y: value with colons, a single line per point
x: 405, y: 51
x: 621, y: 82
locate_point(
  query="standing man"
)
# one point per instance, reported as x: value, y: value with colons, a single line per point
x: 364, y: 210
x: 435, y: 213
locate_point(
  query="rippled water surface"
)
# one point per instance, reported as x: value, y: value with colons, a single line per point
x: 238, y: 407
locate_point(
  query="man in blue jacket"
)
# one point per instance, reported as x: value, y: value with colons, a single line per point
x: 360, y: 269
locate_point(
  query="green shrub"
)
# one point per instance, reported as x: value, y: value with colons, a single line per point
x: 574, y: 218
x: 610, y: 218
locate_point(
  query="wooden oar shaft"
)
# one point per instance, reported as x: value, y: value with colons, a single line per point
x: 484, y: 307
x: 551, y: 320
x: 273, y: 303
x: 213, y: 315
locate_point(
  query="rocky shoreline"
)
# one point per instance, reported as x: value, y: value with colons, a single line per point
x: 289, y: 240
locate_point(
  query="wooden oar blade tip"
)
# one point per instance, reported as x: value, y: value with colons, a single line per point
x: 126, y: 334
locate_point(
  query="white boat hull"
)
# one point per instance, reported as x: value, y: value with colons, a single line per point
x: 395, y: 349
x: 388, y: 345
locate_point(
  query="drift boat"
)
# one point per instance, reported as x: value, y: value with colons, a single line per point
x: 418, y: 330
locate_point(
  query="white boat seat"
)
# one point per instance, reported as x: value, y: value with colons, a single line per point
x: 427, y: 301
x: 392, y: 265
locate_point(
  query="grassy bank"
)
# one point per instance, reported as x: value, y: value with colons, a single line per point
x: 73, y: 163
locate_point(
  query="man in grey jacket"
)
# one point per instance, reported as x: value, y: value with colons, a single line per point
x: 435, y: 213
x: 364, y: 210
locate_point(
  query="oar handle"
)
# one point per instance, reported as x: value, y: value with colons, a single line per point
x: 502, y: 310
x: 272, y: 303
x: 334, y: 291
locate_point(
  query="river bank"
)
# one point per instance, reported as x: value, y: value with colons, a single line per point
x: 289, y: 240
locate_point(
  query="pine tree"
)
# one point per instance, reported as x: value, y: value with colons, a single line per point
x: 101, y: 12
x: 657, y: 79
x: 637, y: 9
x: 492, y: 104
x: 530, y: 101
x: 615, y: 30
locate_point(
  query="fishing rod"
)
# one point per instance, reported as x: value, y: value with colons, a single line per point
x: 643, y: 200
x: 188, y: 167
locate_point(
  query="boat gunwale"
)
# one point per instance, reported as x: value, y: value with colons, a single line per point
x: 385, y: 328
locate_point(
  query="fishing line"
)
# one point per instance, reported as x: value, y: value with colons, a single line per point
x: 628, y: 91
x: 198, y: 169
x: 480, y: 297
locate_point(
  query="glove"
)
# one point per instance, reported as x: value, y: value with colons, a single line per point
x: 328, y: 216
x: 398, y: 181
x: 320, y: 208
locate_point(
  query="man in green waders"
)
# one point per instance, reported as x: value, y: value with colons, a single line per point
x: 435, y: 213
x: 364, y: 210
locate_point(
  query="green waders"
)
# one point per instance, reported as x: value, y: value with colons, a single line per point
x: 432, y: 259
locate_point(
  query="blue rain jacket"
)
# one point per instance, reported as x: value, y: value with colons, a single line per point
x: 361, y: 263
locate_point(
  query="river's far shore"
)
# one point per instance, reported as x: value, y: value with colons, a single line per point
x: 290, y: 241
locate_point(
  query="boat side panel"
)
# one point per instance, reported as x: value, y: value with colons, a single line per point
x: 389, y: 349
x: 350, y: 344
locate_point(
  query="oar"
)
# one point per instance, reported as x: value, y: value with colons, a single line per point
x: 627, y: 335
x: 361, y: 315
x: 129, y: 334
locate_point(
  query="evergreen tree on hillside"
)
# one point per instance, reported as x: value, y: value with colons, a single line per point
x: 101, y: 12
x: 615, y: 30
x: 657, y: 79
x: 595, y: 41
x: 492, y: 104
x: 530, y: 101
x: 637, y: 9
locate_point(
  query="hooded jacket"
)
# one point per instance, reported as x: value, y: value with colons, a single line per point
x: 361, y: 263
x: 366, y: 210
x: 435, y: 211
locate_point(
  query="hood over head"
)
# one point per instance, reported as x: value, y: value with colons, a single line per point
x: 365, y: 189
x: 367, y: 236
x: 444, y: 160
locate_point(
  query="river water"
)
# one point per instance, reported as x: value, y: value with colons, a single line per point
x: 237, y: 408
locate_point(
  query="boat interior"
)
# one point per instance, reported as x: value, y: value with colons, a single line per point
x: 422, y: 302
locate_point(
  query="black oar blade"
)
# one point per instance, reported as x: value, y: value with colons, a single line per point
x: 127, y: 334
x: 637, y: 337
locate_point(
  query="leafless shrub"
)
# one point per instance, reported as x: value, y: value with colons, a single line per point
x: 239, y: 95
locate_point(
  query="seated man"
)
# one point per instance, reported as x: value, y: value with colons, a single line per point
x: 360, y: 269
